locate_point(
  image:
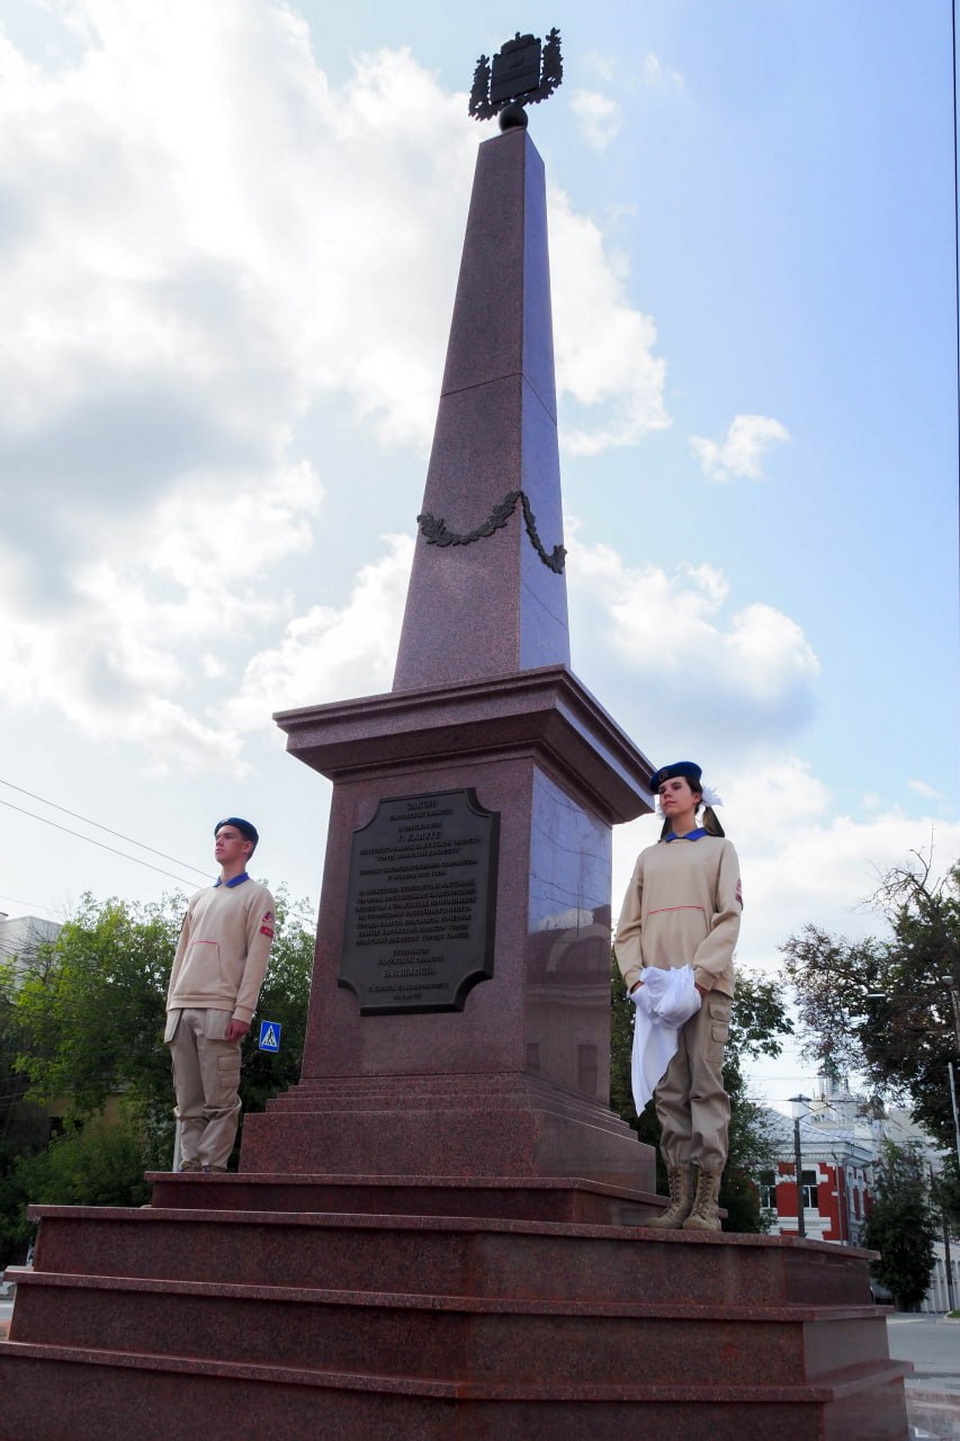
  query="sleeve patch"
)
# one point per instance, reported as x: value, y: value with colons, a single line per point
x: 267, y: 931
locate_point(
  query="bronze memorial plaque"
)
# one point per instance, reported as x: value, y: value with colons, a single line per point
x: 421, y: 903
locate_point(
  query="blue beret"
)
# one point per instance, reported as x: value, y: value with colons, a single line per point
x: 248, y: 831
x: 688, y: 769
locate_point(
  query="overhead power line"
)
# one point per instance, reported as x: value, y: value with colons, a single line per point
x: 97, y: 826
x: 102, y: 844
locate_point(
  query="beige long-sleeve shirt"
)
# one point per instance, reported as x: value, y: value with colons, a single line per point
x: 223, y: 949
x: 682, y: 907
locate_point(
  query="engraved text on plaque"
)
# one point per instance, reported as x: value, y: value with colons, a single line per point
x: 421, y: 903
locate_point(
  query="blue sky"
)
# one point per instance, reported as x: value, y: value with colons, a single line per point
x: 228, y: 245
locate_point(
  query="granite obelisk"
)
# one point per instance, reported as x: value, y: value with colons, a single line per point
x: 488, y: 591
x: 459, y: 1021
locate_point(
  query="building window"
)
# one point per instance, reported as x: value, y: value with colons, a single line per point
x: 808, y: 1190
x: 768, y: 1191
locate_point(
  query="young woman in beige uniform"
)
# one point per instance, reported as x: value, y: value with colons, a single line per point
x: 682, y: 907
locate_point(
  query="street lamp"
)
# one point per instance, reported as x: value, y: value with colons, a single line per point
x: 797, y: 1102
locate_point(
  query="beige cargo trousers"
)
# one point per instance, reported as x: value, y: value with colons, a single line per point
x: 692, y: 1106
x: 205, y: 1065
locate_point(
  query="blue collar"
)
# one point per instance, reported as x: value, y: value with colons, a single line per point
x: 237, y: 881
x: 690, y: 836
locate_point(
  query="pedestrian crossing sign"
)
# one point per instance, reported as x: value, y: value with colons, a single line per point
x: 269, y: 1036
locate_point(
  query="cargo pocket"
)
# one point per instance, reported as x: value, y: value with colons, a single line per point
x: 719, y: 1013
x: 228, y: 1078
x: 716, y: 1030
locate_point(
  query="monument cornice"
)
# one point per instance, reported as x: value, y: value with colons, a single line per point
x: 546, y: 711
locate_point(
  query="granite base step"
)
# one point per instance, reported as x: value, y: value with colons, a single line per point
x: 278, y: 1324
x: 114, y: 1396
x: 508, y: 1198
x: 480, y: 1339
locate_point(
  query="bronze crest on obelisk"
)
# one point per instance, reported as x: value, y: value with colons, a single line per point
x: 524, y: 72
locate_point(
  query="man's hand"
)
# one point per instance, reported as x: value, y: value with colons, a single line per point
x: 236, y: 1030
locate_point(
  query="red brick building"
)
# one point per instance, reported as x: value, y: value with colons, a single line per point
x: 838, y: 1148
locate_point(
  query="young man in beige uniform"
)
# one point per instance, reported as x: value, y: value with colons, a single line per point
x: 682, y: 907
x: 214, y: 984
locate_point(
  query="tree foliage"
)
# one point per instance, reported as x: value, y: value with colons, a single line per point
x: 91, y: 1007
x: 92, y: 1165
x: 758, y: 1023
x: 24, y: 1126
x: 89, y: 1015
x: 883, y: 1007
x: 901, y: 1226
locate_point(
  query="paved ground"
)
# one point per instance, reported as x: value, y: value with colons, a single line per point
x: 933, y: 1391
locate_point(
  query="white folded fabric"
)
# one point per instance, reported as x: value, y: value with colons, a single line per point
x: 664, y: 1002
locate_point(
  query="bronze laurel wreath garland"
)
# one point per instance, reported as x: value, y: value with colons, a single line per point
x: 434, y: 529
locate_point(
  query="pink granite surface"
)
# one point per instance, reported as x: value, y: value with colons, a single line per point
x: 153, y: 1401
x: 483, y: 700
x: 365, y: 1325
x: 539, y: 1198
x: 492, y: 607
x: 519, y: 1077
x: 451, y: 1255
x: 479, y: 1340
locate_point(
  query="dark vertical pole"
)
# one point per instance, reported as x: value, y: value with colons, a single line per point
x: 801, y: 1221
x: 842, y: 1202
x: 948, y: 1263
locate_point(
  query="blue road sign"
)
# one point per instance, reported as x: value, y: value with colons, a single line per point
x: 269, y: 1036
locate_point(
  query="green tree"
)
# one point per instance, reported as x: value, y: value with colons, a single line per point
x: 758, y: 1023
x: 883, y: 1007
x: 91, y: 1011
x: 902, y: 1226
x: 91, y: 1007
x: 24, y: 1126
x: 92, y: 1165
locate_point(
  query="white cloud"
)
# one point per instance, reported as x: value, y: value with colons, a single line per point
x: 330, y: 654
x: 928, y: 791
x: 602, y: 66
x: 656, y: 75
x: 604, y: 348
x: 748, y: 674
x: 600, y: 117
x: 203, y: 241
x: 124, y: 651
x: 742, y: 449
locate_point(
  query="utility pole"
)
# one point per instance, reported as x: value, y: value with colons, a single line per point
x: 797, y: 1102
x: 947, y: 1259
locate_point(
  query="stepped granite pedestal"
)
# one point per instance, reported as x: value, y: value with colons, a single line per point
x: 439, y: 1232
x: 391, y: 1309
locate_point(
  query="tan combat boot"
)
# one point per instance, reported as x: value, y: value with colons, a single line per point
x: 680, y: 1180
x: 704, y: 1215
